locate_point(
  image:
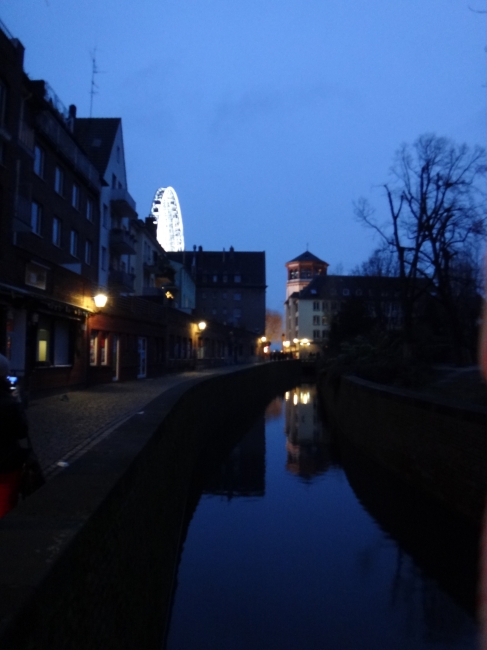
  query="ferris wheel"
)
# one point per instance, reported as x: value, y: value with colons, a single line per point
x: 167, y: 214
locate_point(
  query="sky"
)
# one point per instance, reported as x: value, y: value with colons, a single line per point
x: 270, y: 118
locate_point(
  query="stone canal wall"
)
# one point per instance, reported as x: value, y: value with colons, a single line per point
x: 438, y: 447
x: 89, y: 560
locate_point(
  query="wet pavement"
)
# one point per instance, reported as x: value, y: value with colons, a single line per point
x: 62, y: 427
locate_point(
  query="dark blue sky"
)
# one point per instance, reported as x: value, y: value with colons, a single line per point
x: 268, y: 117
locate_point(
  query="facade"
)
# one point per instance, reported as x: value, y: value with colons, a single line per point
x: 230, y: 286
x: 154, y: 275
x: 102, y: 139
x: 49, y: 229
x: 311, y: 311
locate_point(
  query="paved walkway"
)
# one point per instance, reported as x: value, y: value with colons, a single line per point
x: 63, y: 427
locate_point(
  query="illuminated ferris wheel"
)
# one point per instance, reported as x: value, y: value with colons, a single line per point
x: 167, y: 214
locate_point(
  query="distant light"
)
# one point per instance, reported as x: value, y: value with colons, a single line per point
x: 286, y: 396
x: 266, y: 349
x: 202, y: 325
x: 295, y: 398
x: 304, y: 342
x: 100, y: 300
x: 169, y: 295
x: 295, y: 341
x: 286, y: 344
x: 263, y: 339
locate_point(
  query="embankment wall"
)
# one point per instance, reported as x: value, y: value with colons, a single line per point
x: 438, y: 447
x: 89, y: 560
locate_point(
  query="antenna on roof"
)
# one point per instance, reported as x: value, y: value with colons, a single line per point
x: 94, y: 70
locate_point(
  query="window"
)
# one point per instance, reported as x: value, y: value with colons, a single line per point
x: 237, y: 278
x: 56, y: 231
x: 346, y: 292
x: 104, y: 216
x: 39, y: 161
x: 324, y: 320
x: 73, y: 243
x: 225, y: 278
x: 114, y: 181
x: 215, y: 278
x: 93, y: 348
x: 103, y: 345
x: 59, y: 181
x: 237, y: 313
x: 75, y: 197
x: 103, y: 258
x: 36, y: 217
x: 316, y: 306
x: 316, y: 320
x: 224, y: 296
x: 89, y: 209
x: 237, y: 296
x: 88, y: 251
x: 316, y: 334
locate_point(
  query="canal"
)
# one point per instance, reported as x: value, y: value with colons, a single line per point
x: 295, y: 541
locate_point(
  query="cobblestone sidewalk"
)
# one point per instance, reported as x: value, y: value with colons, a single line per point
x: 62, y: 427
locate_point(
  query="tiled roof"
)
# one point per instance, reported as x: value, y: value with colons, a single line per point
x: 97, y: 135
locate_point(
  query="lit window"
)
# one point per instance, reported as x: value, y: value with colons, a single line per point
x: 73, y: 243
x: 237, y: 278
x: 93, y: 348
x: 56, y: 231
x: 59, y: 181
x: 36, y: 217
x: 39, y: 161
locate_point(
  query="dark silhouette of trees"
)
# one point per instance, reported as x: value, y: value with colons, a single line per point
x: 436, y: 202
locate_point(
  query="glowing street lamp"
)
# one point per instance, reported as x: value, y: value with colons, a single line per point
x: 201, y: 326
x: 100, y: 300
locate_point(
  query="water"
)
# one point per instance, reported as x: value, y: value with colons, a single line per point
x: 298, y: 543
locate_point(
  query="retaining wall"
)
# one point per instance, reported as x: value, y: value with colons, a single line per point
x: 88, y: 561
x: 438, y: 447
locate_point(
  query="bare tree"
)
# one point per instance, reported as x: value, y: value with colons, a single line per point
x: 436, y: 211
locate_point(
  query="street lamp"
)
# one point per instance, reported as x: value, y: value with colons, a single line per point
x: 100, y: 300
x: 201, y: 326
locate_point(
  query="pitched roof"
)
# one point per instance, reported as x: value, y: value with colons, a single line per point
x: 307, y: 257
x: 97, y: 135
x: 249, y: 265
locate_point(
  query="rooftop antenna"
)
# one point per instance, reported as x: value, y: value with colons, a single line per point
x: 94, y: 70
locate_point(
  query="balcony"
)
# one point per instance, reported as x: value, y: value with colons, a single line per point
x: 121, y: 281
x: 123, y: 203
x: 122, y: 242
x: 160, y: 270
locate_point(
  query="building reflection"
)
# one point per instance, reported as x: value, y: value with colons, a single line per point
x: 307, y: 442
x: 242, y: 474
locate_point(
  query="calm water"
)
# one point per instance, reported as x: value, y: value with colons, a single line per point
x: 298, y: 543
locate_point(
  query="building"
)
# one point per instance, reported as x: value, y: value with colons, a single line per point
x: 311, y: 311
x: 102, y: 140
x: 49, y: 229
x: 230, y: 286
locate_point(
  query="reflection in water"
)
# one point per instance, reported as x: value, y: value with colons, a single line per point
x: 314, y: 563
x: 306, y: 442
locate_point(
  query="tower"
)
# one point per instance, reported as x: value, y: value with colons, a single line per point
x: 301, y: 270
